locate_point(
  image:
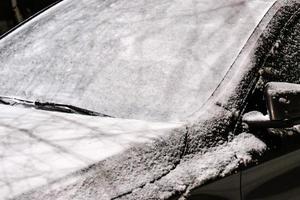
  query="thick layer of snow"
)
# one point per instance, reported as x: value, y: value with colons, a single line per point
x: 37, y: 147
x: 255, y: 116
x: 215, y: 162
x: 193, y: 171
x: 282, y: 88
x: 157, y: 60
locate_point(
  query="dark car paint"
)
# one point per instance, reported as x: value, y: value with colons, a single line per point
x: 275, y: 179
x: 276, y: 173
x: 224, y: 189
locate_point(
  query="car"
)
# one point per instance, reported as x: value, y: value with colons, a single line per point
x: 152, y: 100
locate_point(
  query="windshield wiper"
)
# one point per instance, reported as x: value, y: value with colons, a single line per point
x: 50, y: 106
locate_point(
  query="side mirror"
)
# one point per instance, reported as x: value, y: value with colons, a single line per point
x: 283, y: 100
x: 283, y: 104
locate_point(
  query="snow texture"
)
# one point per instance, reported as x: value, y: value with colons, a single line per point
x: 38, y: 147
x: 150, y: 60
x: 255, y: 116
x: 154, y: 60
x: 281, y: 88
x: 190, y: 173
x: 172, y: 165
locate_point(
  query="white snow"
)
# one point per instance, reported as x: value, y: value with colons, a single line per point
x: 38, y: 147
x: 194, y: 171
x: 282, y: 87
x: 255, y: 116
x: 223, y: 159
x: 156, y: 60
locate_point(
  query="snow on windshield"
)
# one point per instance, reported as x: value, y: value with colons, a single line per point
x: 154, y: 60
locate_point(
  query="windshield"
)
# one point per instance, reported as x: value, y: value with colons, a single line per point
x: 155, y: 60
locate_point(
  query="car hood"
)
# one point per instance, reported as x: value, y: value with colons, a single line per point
x: 38, y: 147
x: 51, y: 155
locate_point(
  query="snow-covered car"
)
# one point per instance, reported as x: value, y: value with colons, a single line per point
x: 152, y: 100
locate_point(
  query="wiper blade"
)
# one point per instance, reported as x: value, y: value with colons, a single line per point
x: 50, y: 106
x: 67, y: 108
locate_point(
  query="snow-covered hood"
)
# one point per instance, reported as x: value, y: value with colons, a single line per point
x: 38, y: 147
x: 51, y: 155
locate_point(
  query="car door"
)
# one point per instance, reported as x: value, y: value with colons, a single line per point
x: 277, y: 178
x: 277, y: 175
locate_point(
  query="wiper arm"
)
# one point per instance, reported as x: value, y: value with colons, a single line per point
x: 67, y: 108
x: 50, y: 106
